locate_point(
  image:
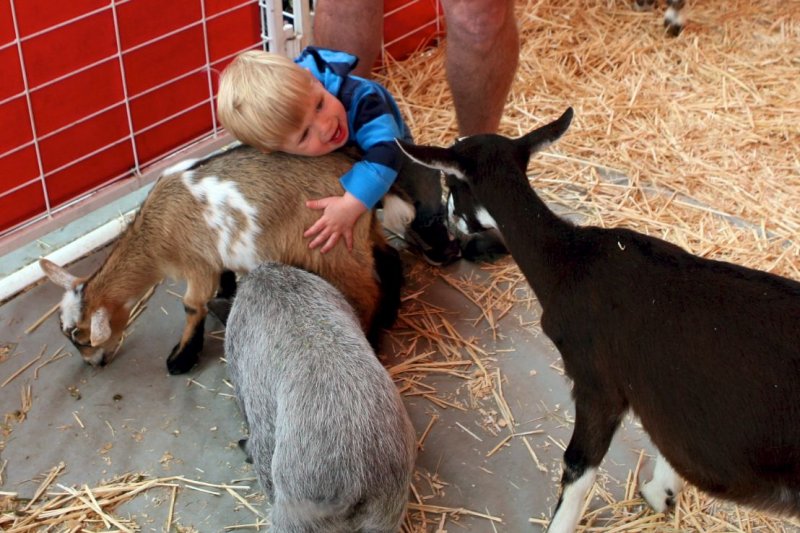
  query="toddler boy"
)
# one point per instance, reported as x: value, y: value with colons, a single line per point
x: 312, y: 106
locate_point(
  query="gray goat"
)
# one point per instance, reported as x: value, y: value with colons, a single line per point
x: 330, y: 439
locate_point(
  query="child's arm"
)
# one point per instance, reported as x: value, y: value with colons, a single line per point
x: 338, y: 218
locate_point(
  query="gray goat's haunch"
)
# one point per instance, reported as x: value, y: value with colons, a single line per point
x: 674, y: 19
x: 706, y: 353
x: 227, y: 212
x: 330, y: 439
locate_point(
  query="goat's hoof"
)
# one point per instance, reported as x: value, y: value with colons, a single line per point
x: 437, y: 260
x: 661, y: 499
x: 673, y: 29
x: 643, y: 5
x: 180, y: 362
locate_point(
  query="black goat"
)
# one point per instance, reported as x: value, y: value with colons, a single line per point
x: 674, y: 18
x: 706, y: 353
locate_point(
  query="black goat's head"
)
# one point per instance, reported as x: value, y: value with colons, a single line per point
x: 475, y: 159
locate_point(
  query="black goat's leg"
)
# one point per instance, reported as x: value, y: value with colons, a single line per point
x: 643, y: 5
x: 662, y: 491
x: 596, y: 420
x: 674, y: 18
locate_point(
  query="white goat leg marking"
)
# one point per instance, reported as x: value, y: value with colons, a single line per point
x: 397, y: 214
x: 674, y: 17
x: 664, y: 487
x: 235, y: 241
x: 569, y: 512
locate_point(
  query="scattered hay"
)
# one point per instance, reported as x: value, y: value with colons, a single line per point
x: 692, y: 140
x: 93, y: 509
x: 701, y: 129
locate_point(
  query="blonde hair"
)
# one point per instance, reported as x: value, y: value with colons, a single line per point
x: 262, y: 98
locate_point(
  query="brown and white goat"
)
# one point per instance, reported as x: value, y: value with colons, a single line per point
x: 706, y: 353
x: 674, y: 16
x: 229, y: 212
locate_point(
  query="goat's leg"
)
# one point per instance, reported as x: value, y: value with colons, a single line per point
x: 596, y: 420
x: 643, y: 5
x: 227, y: 284
x: 662, y: 491
x: 389, y: 268
x: 185, y: 354
x: 220, y: 305
x: 673, y: 18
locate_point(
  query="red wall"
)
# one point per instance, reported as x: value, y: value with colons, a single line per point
x: 97, y: 119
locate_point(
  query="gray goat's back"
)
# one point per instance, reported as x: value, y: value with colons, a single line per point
x: 329, y: 435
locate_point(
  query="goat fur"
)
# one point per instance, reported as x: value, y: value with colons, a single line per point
x: 330, y: 439
x: 228, y: 212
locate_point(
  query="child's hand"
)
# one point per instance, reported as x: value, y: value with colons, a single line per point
x: 339, y: 216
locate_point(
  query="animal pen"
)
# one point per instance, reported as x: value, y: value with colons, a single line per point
x: 692, y: 139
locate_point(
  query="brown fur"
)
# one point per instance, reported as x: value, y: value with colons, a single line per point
x: 170, y: 238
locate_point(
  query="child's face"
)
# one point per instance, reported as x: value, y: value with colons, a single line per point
x: 324, y: 129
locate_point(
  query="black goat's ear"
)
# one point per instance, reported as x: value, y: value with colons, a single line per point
x: 542, y: 137
x: 433, y: 157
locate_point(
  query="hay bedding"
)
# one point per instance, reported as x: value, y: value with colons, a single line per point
x: 713, y: 115
x: 691, y: 139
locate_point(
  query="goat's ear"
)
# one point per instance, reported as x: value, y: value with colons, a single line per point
x: 101, y: 327
x: 432, y: 157
x: 540, y: 138
x: 57, y: 274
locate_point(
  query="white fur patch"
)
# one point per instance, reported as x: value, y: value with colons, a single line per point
x: 457, y: 221
x: 180, y: 166
x: 666, y: 484
x: 569, y: 512
x: 236, y: 242
x: 71, y: 304
x: 101, y: 328
x: 485, y: 218
x: 439, y: 165
x: 397, y: 214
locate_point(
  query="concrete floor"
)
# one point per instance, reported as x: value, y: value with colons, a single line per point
x: 132, y: 417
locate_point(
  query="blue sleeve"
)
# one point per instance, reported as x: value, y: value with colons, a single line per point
x: 376, y: 124
x: 368, y: 181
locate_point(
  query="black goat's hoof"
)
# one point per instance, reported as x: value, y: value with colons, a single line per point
x: 441, y: 258
x: 673, y: 30
x: 180, y: 362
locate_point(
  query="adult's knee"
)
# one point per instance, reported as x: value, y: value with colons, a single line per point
x: 478, y: 24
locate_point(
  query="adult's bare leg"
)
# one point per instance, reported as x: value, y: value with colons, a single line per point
x: 354, y: 26
x: 482, y: 58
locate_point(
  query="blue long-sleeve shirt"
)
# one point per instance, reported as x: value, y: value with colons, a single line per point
x: 373, y: 118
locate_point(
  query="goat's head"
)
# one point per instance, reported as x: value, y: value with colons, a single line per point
x: 480, y: 160
x: 94, y: 328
